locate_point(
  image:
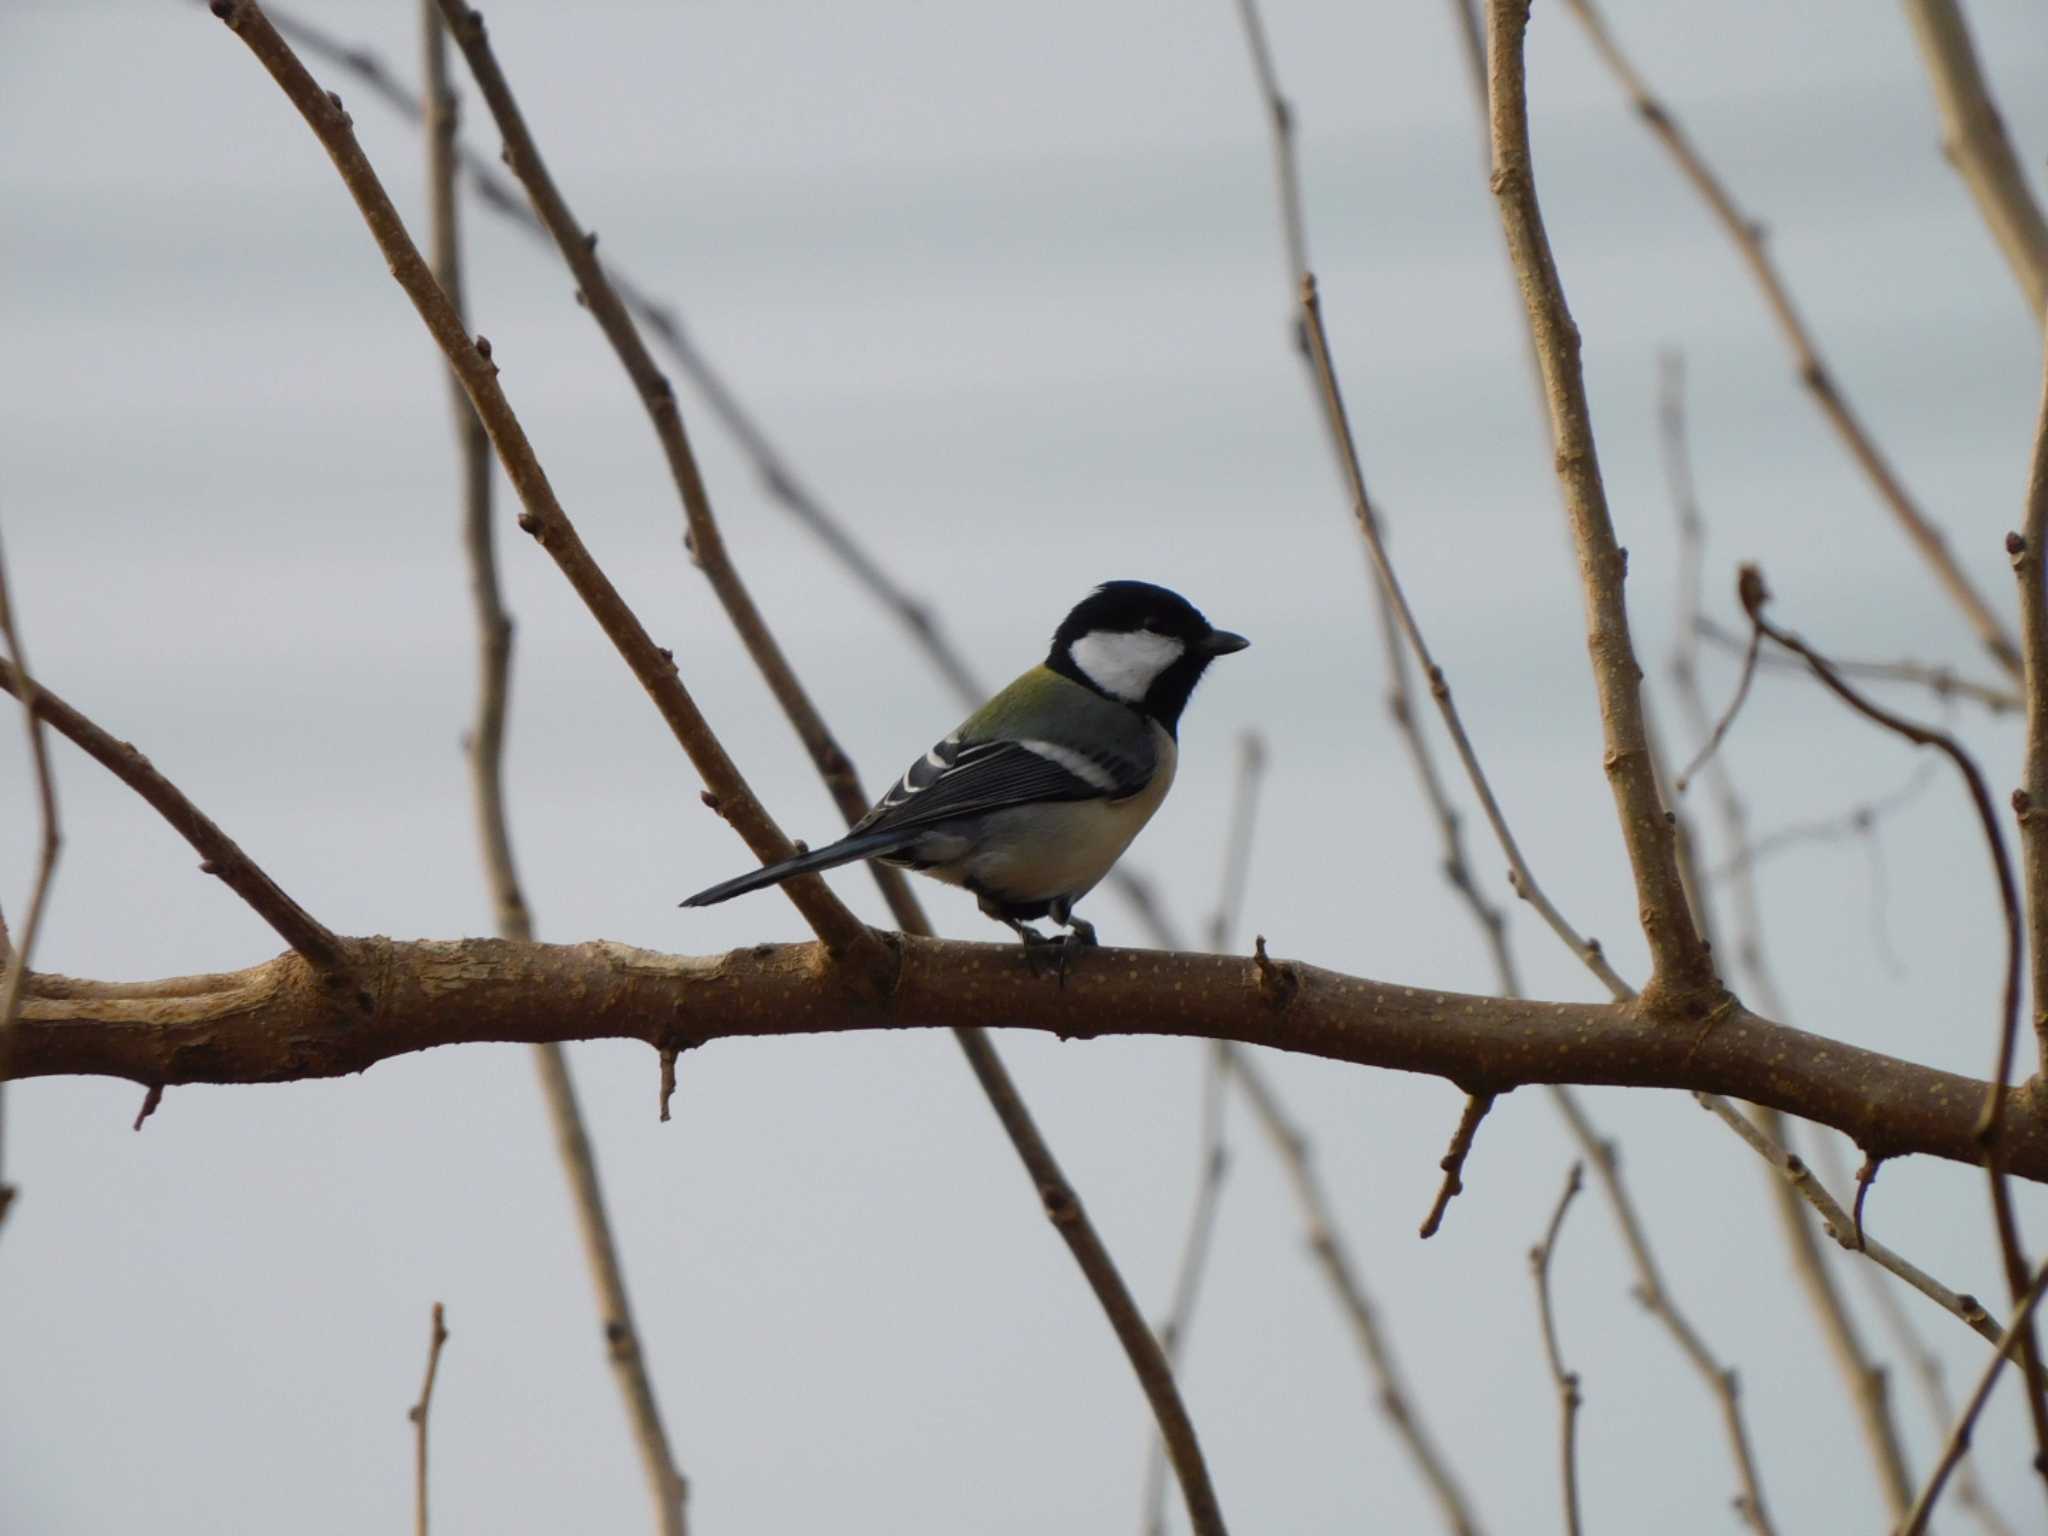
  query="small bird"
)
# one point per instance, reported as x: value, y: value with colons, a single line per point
x: 1033, y: 797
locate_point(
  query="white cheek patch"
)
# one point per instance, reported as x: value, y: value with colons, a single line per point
x: 1126, y: 665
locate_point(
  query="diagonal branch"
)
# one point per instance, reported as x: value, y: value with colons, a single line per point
x: 1959, y: 1436
x: 1975, y: 141
x: 1991, y: 1120
x: 1863, y: 1378
x: 1392, y: 1393
x: 843, y: 935
x: 486, y: 752
x: 1813, y: 370
x: 1062, y: 1204
x: 219, y: 854
x: 1681, y: 965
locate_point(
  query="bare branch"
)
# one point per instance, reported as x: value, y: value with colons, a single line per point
x: 1927, y: 1371
x: 1392, y: 1393
x: 1720, y: 728
x: 843, y: 934
x: 1839, y: 1225
x: 1975, y: 141
x: 1943, y: 682
x: 1062, y: 1205
x: 417, y: 1413
x: 275, y: 1023
x: 1520, y: 877
x: 1063, y: 1209
x: 1959, y: 1437
x: 778, y: 477
x: 1453, y: 1163
x: 1991, y: 1121
x: 1214, y: 1157
x: 15, y: 958
x: 219, y: 854
x: 1813, y: 371
x: 1681, y: 964
x: 1656, y: 1299
x: 1864, y: 1380
x: 1568, y: 1395
x: 2029, y: 549
x: 1194, y: 1255
x: 486, y: 751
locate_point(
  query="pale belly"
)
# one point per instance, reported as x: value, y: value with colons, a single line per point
x: 1059, y: 850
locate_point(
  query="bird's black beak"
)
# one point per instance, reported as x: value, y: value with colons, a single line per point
x: 1221, y: 642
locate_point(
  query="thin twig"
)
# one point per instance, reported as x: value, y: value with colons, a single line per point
x: 15, y: 957
x: 1294, y: 235
x: 1194, y: 1254
x: 1062, y: 1204
x: 1943, y: 682
x: 219, y: 855
x: 417, y: 1413
x: 1601, y: 1151
x: 1813, y: 372
x: 1568, y: 1395
x: 1864, y: 1380
x: 2029, y: 551
x: 1991, y: 1123
x: 1841, y: 1226
x: 777, y: 476
x: 1959, y: 1437
x: 1975, y: 141
x: 1655, y: 1298
x: 1927, y: 1371
x: 1520, y: 876
x: 1681, y: 967
x: 706, y: 544
x: 845, y: 937
x: 1720, y: 727
x: 486, y: 751
x: 1214, y: 1155
x: 1392, y: 1394
x: 1859, y: 821
x: 1453, y: 1163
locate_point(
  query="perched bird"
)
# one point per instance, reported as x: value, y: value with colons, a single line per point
x: 1032, y: 799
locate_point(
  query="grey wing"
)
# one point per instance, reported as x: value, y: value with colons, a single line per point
x: 955, y: 780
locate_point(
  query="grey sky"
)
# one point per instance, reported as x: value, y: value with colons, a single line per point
x: 1006, y: 283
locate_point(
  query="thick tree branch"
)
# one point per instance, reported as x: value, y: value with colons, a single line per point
x: 1681, y: 964
x: 843, y: 934
x: 275, y: 1023
x: 1814, y: 373
x: 1975, y: 141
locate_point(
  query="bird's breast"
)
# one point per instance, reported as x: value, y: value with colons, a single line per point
x: 1064, y: 848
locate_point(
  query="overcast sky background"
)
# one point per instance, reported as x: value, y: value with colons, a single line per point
x: 1006, y: 283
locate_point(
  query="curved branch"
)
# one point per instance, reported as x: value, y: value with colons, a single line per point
x: 275, y: 1023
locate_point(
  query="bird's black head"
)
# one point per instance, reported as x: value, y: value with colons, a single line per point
x: 1141, y: 645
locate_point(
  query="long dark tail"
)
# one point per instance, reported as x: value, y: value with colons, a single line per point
x: 865, y: 845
